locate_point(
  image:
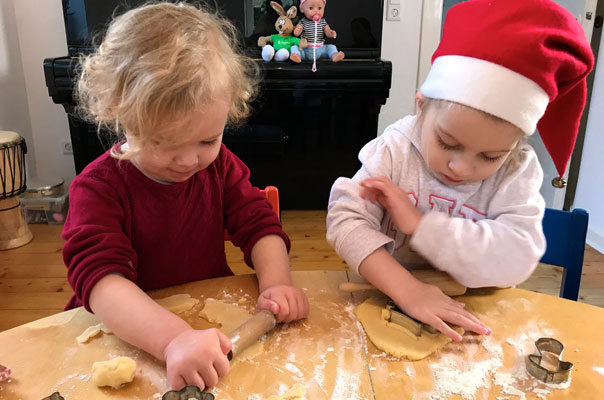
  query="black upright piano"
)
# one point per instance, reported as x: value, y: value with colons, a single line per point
x: 307, y: 127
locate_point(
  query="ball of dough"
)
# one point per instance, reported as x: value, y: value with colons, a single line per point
x: 114, y: 372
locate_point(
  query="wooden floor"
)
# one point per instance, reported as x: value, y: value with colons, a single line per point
x: 33, y: 278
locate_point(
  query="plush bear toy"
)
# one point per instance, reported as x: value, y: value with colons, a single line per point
x: 314, y: 28
x: 284, y: 45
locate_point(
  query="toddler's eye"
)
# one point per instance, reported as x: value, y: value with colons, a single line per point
x: 209, y: 142
x: 445, y: 145
x: 489, y: 159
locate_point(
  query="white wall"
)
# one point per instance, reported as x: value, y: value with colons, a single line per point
x: 590, y: 186
x: 14, y: 111
x: 33, y: 30
x: 401, y: 44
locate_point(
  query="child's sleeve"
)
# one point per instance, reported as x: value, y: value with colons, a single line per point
x: 95, y: 242
x: 503, y: 249
x: 353, y: 223
x: 248, y: 215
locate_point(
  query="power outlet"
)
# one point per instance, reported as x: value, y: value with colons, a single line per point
x: 66, y: 147
x: 393, y: 10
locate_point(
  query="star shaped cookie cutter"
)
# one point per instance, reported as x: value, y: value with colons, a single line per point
x: 548, y: 366
x: 187, y: 393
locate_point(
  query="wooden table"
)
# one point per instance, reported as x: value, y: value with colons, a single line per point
x: 328, y: 353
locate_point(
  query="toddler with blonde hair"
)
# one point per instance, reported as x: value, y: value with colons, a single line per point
x: 152, y: 211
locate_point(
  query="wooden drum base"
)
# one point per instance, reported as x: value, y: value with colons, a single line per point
x: 14, y: 231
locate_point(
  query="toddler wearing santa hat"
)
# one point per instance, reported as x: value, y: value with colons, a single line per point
x: 455, y: 187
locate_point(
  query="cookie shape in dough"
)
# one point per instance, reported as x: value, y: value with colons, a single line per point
x: 229, y: 316
x: 114, y: 372
x: 178, y: 303
x: 394, y: 339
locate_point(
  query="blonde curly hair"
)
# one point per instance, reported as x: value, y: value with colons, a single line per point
x: 157, y: 64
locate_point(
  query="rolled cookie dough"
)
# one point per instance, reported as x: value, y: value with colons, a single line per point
x: 114, y: 372
x: 178, y: 303
x: 228, y: 315
x: 394, y: 339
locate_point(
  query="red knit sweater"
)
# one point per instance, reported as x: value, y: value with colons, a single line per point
x: 159, y: 235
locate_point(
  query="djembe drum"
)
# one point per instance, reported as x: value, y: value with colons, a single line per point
x: 14, y: 231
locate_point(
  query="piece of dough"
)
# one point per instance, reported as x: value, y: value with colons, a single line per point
x: 178, y: 303
x: 395, y: 340
x: 295, y: 392
x: 114, y: 372
x: 93, y: 331
x: 230, y: 317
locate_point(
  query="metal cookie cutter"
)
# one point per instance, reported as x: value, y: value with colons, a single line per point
x: 187, y: 393
x: 548, y: 366
x: 396, y: 316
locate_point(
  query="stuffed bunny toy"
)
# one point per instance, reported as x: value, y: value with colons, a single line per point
x: 284, y: 44
x: 314, y: 28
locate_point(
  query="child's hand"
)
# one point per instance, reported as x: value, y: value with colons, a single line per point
x: 395, y: 200
x: 298, y: 30
x: 197, y: 357
x: 287, y: 302
x: 430, y: 305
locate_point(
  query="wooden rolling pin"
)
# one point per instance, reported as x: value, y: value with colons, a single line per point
x: 442, y: 280
x: 250, y: 331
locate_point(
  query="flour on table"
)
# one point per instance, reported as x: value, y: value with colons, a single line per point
x: 478, y: 369
x: 464, y: 375
x: 599, y: 370
x: 346, y: 386
x: 178, y: 303
x: 295, y: 392
x: 93, y: 331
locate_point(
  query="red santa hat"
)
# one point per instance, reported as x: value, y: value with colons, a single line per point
x: 524, y: 61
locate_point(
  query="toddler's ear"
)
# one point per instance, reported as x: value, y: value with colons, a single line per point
x: 419, y: 101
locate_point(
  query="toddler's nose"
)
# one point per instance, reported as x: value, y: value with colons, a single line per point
x: 460, y: 167
x: 187, y: 160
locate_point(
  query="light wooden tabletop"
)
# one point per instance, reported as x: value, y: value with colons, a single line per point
x: 327, y: 353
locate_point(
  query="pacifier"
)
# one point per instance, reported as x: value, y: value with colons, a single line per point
x: 316, y: 17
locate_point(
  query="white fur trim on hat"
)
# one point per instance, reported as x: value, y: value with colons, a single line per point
x: 488, y: 87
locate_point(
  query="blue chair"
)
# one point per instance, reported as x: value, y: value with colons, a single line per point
x: 565, y: 233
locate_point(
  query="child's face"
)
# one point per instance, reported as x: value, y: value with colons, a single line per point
x: 178, y: 161
x: 310, y: 8
x: 462, y: 145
